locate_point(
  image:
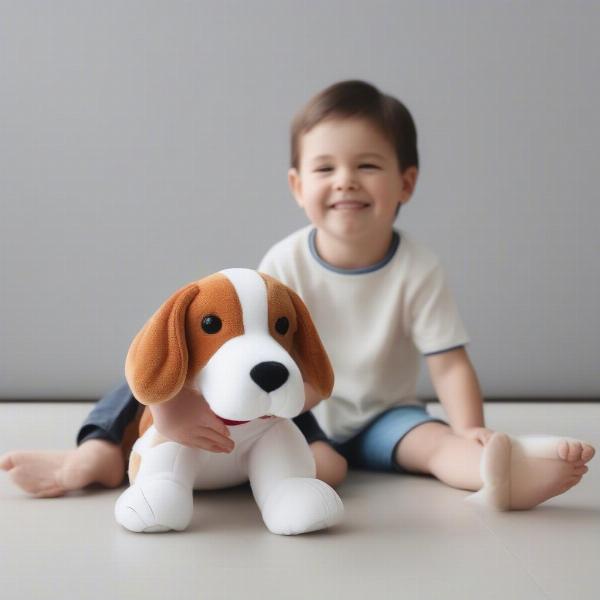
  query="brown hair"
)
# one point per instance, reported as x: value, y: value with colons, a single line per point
x: 359, y: 99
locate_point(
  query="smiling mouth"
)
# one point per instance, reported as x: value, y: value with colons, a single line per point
x: 349, y: 205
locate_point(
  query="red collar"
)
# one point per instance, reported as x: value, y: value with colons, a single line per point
x: 230, y: 422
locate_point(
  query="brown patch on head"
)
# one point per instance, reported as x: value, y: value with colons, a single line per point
x: 172, y: 346
x: 301, y: 339
x: 280, y: 307
x: 219, y: 299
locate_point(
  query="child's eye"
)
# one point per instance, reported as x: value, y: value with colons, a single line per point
x: 323, y: 170
x: 368, y: 166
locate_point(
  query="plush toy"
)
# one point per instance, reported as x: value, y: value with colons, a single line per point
x: 247, y: 343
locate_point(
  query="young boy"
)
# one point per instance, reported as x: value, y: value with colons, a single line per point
x: 379, y: 300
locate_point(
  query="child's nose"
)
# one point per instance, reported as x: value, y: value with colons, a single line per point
x: 345, y: 180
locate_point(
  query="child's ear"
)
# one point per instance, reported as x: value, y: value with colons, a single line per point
x: 409, y: 181
x: 295, y: 185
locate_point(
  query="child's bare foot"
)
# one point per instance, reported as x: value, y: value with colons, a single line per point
x: 521, y: 472
x: 47, y: 474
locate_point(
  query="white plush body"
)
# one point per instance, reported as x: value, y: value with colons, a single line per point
x: 271, y: 453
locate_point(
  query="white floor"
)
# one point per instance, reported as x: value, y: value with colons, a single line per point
x: 403, y: 536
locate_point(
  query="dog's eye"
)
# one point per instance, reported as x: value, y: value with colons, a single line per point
x: 211, y: 324
x: 282, y: 325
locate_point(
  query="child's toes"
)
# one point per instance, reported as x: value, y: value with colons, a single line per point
x: 6, y: 462
x: 575, y: 451
x: 587, y: 453
x: 570, y: 450
x: 563, y: 449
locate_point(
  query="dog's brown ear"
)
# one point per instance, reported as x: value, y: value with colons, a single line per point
x: 157, y: 361
x: 308, y: 350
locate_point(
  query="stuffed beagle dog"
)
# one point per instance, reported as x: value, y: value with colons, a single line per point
x: 246, y: 342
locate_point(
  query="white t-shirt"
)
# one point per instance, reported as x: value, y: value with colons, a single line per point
x: 374, y: 323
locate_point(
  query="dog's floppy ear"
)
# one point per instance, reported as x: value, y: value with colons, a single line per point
x: 157, y: 361
x: 308, y: 350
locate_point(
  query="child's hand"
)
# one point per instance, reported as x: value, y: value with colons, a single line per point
x: 188, y: 420
x: 479, y: 434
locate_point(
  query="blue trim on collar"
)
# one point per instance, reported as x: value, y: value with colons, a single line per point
x: 312, y: 236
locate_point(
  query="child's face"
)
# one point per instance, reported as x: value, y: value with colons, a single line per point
x: 349, y: 182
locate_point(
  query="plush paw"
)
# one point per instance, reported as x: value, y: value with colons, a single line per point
x: 155, y: 506
x: 301, y: 504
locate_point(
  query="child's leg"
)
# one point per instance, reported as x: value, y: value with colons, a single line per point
x: 48, y: 474
x: 519, y: 472
x: 99, y: 457
x: 432, y: 449
x: 331, y: 466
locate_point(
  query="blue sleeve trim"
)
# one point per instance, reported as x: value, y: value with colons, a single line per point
x: 445, y: 350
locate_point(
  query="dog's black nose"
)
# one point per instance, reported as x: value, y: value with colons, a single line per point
x: 269, y: 375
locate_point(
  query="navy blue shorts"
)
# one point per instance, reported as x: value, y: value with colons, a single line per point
x: 110, y: 416
x: 373, y: 448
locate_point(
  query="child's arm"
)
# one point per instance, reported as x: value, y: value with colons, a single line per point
x: 457, y: 387
x: 188, y: 420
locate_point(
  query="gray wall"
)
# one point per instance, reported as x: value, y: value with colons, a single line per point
x: 144, y: 145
